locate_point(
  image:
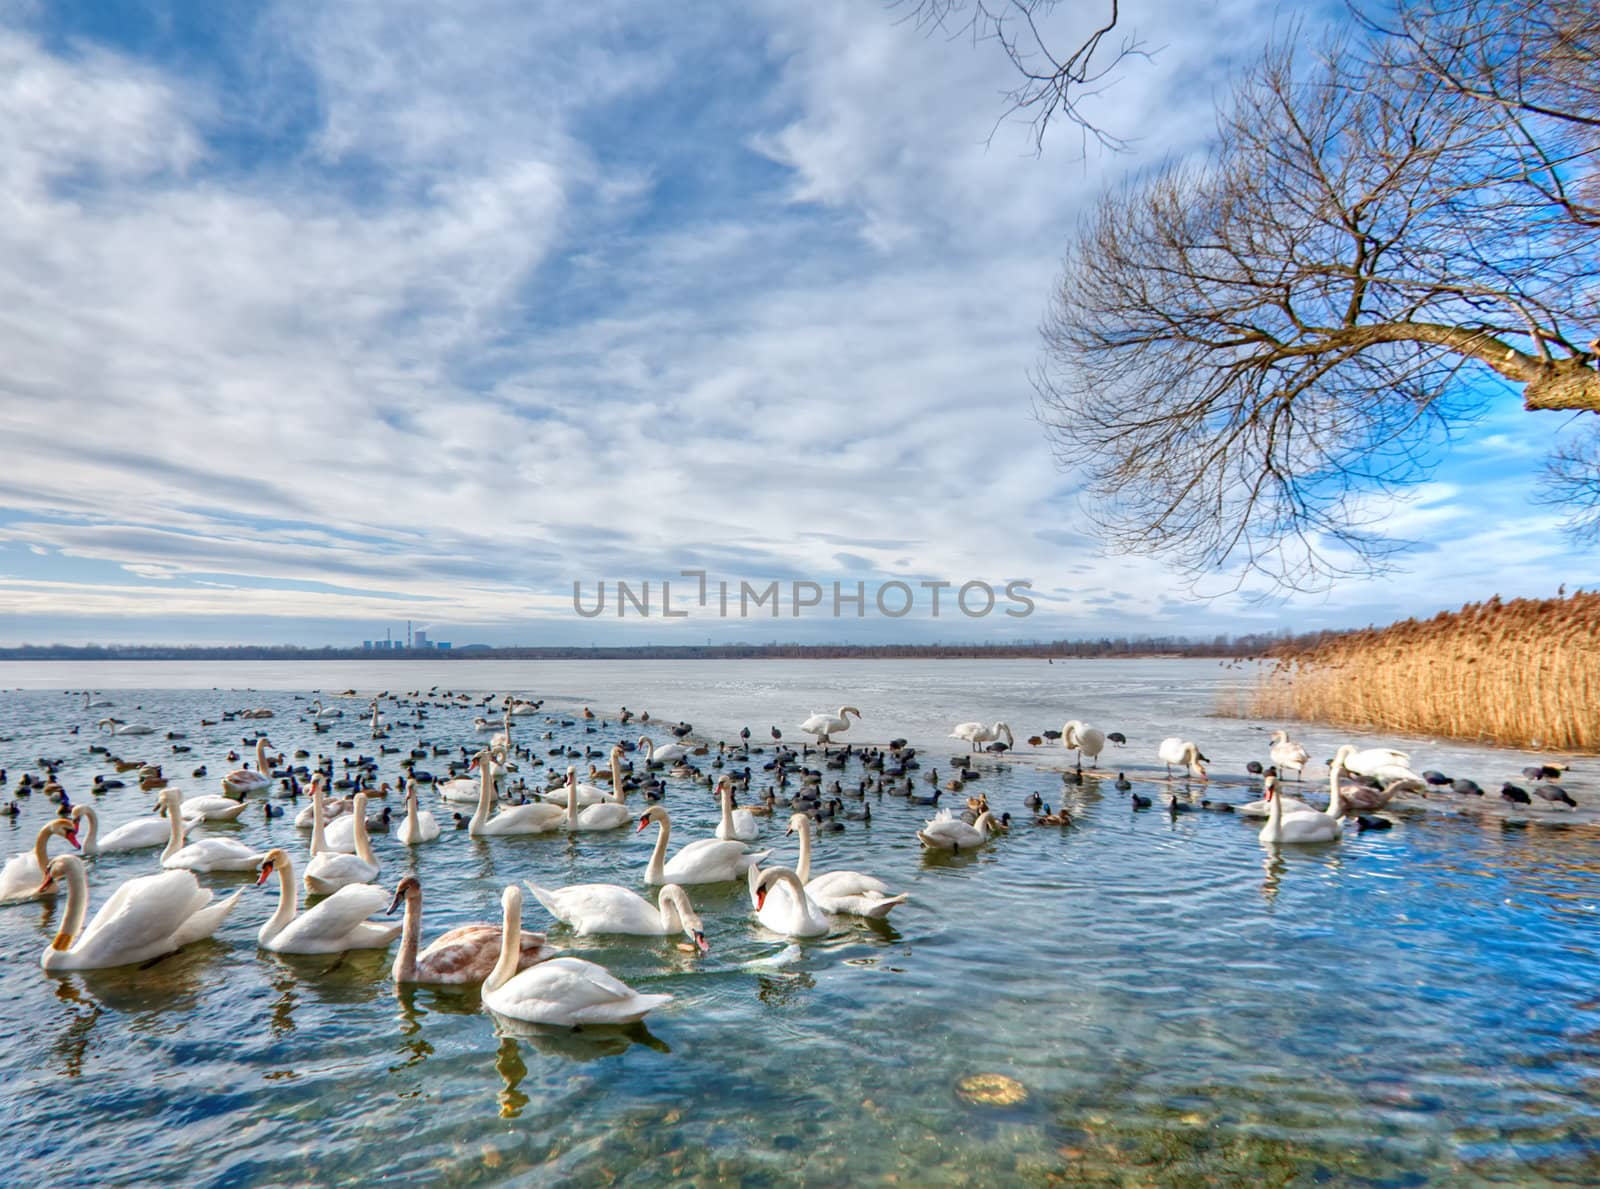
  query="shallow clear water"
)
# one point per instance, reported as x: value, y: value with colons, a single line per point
x: 1182, y: 1006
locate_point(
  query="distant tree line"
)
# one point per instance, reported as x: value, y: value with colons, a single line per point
x: 1228, y: 646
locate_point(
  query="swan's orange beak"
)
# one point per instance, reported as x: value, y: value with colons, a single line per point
x: 700, y: 940
x: 643, y: 822
x: 72, y: 837
x: 395, y: 903
x: 761, y: 899
x: 266, y: 870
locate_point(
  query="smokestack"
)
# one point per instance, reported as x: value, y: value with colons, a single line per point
x: 408, y: 635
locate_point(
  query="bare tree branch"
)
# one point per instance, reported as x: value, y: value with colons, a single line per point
x: 1246, y: 356
x: 1052, y: 85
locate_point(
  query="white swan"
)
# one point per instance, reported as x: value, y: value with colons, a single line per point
x: 1301, y: 827
x: 534, y: 818
x: 141, y: 833
x: 1286, y: 753
x: 654, y: 755
x: 211, y: 808
x: 946, y: 831
x: 737, y: 824
x: 610, y: 815
x: 420, y: 825
x: 593, y: 794
x: 330, y: 870
x: 824, y: 726
x: 708, y: 860
x: 20, y: 877
x: 463, y: 956
x: 337, y: 924
x: 1382, y: 763
x: 794, y: 915
x: 118, y: 727
x: 244, y: 781
x: 564, y: 991
x: 849, y: 892
x: 1083, y: 739
x: 91, y: 703
x: 976, y: 733
x: 317, y: 710
x: 208, y: 854
x: 1181, y: 751
x: 145, y: 918
x: 591, y: 908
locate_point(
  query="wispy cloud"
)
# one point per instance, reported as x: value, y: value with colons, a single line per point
x: 384, y: 309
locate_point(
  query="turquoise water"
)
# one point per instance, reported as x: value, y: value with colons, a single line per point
x: 1182, y: 1006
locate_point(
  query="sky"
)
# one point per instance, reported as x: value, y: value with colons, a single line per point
x: 322, y: 317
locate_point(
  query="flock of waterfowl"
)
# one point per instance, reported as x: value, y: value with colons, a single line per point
x: 821, y: 786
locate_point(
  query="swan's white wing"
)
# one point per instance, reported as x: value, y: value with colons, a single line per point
x: 572, y: 983
x: 339, y: 914
x: 145, y: 911
x: 20, y: 877
x: 845, y: 883
x: 597, y: 907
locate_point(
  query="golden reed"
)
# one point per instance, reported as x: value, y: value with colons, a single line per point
x: 1523, y: 673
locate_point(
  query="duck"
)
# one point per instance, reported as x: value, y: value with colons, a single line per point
x: 599, y: 908
x: 707, y: 860
x: 20, y: 878
x: 206, y: 854
x: 146, y: 917
x: 1047, y: 818
x: 737, y: 824
x: 333, y: 926
x: 419, y: 825
x: 563, y: 991
x: 945, y: 831
x: 462, y: 957
x: 330, y: 870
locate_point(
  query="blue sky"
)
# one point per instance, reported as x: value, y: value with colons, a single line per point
x: 322, y: 317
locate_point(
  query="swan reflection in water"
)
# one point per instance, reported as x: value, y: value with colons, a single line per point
x: 588, y: 1043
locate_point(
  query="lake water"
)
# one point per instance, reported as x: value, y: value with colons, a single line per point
x: 1181, y: 1005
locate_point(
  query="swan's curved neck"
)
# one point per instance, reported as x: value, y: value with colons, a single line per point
x: 41, y: 848
x: 803, y: 869
x: 649, y: 749
x: 656, y: 871
x: 77, y: 910
x: 175, y: 839
x: 319, y: 813
x: 727, y: 809
x: 288, y: 901
x: 784, y: 875
x: 510, y: 945
x: 671, y: 913
x: 1275, y: 816
x: 359, y: 829
x: 1335, y: 802
x: 480, y: 815
x: 261, y: 756
x: 413, y: 823
x: 618, y: 792
x: 572, y: 797
x: 405, y: 962
x: 91, y: 830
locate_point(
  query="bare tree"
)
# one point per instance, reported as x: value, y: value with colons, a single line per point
x: 1052, y: 83
x: 1244, y: 352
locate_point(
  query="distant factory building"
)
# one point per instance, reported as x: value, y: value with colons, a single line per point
x: 420, y: 640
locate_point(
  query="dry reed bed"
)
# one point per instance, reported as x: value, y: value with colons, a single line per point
x: 1523, y: 673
